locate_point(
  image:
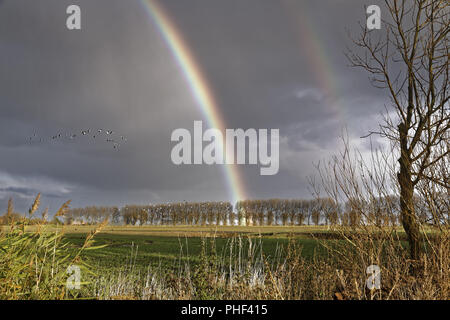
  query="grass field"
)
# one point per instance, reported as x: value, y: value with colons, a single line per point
x: 130, y: 254
x: 166, y: 245
x: 223, y: 262
x: 167, y: 250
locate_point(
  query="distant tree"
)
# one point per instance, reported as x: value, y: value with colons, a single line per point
x: 115, y: 216
x: 315, y: 207
x: 329, y: 210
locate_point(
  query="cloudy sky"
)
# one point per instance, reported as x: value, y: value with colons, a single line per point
x: 270, y: 64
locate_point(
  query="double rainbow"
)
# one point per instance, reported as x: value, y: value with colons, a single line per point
x: 325, y: 76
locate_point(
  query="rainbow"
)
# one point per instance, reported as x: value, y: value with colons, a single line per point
x: 198, y: 85
x: 316, y: 52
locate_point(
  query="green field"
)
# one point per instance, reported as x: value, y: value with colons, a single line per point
x: 166, y: 246
x: 169, y: 247
x: 129, y: 254
x: 209, y: 262
x: 168, y: 250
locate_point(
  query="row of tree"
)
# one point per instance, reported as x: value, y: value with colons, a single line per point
x: 381, y: 211
x: 91, y: 214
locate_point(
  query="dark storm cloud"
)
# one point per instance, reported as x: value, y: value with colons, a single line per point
x: 117, y: 73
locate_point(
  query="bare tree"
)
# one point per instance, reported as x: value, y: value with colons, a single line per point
x: 409, y: 59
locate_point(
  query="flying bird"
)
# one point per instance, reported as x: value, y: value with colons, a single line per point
x: 84, y: 132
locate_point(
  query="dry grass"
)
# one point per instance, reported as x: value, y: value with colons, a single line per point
x: 33, y: 265
x: 242, y: 271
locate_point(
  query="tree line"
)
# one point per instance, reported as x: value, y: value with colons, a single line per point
x: 383, y: 211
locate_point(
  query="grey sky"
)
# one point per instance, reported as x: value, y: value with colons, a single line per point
x: 117, y: 73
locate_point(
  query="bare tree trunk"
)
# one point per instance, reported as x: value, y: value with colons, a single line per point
x: 409, y: 220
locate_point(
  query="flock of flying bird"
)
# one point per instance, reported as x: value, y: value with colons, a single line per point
x: 108, y: 135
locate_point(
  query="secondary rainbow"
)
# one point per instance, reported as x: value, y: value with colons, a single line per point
x: 317, y: 54
x: 197, y: 83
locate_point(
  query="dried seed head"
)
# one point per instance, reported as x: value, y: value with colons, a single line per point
x: 10, y: 207
x: 35, y: 205
x: 62, y: 211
